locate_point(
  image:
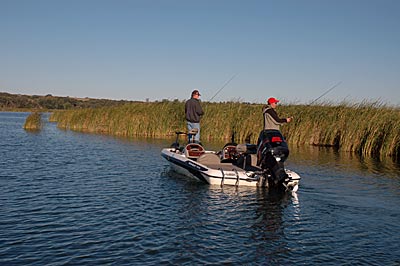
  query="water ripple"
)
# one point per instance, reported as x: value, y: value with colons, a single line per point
x: 77, y: 199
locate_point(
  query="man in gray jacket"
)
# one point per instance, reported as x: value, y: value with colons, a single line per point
x: 193, y: 113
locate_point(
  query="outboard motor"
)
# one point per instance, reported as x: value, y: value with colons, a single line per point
x: 272, y: 152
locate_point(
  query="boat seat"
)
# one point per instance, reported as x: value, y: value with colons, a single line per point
x: 209, y: 159
x: 228, y: 153
x: 193, y: 150
x: 248, y: 158
x: 193, y: 131
x: 191, y: 135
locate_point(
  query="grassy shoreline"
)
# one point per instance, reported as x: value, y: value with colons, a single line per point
x: 33, y: 122
x: 366, y: 128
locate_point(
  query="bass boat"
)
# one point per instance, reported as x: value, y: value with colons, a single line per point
x: 260, y: 164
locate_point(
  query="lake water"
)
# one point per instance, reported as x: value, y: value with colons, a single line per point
x: 69, y: 198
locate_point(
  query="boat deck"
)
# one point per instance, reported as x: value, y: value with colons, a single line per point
x: 213, y: 161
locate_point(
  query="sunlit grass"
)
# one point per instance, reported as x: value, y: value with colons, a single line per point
x: 364, y: 128
x: 33, y: 121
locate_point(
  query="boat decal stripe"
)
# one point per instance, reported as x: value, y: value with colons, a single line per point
x: 192, y: 167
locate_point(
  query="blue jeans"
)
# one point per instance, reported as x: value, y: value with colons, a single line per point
x: 190, y: 126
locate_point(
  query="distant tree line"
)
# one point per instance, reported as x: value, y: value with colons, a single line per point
x: 17, y: 101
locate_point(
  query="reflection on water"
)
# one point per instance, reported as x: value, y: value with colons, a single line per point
x: 69, y: 198
x: 343, y: 161
x: 246, y: 220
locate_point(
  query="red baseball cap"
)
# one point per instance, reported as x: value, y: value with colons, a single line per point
x: 272, y: 100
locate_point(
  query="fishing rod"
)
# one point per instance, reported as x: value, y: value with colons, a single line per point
x: 326, y: 92
x: 334, y: 86
x: 226, y: 83
x: 223, y: 86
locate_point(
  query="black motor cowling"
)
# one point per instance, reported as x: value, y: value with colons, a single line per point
x: 272, y: 152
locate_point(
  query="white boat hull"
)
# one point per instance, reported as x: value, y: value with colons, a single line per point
x: 220, y: 173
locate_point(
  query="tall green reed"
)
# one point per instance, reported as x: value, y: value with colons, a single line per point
x: 365, y: 128
x: 33, y: 121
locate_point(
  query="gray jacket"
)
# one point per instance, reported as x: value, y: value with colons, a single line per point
x: 271, y: 118
x: 193, y: 110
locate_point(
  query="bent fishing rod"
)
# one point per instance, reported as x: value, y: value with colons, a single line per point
x: 223, y: 86
x: 322, y: 95
x: 334, y: 86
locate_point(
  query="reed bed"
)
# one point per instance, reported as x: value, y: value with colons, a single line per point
x: 158, y: 119
x: 33, y: 121
x: 365, y: 128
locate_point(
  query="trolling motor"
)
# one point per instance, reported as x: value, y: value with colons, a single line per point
x: 272, y: 152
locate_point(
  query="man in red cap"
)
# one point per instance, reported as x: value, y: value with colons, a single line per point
x: 271, y: 118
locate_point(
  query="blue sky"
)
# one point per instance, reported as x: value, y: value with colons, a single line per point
x: 293, y: 50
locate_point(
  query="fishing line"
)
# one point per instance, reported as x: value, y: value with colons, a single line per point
x: 334, y: 86
x: 226, y: 83
x: 326, y: 92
